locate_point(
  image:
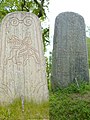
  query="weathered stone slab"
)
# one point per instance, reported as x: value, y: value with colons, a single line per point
x: 22, y: 62
x: 69, y: 50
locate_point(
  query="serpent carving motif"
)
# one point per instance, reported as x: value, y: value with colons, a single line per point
x: 22, y: 48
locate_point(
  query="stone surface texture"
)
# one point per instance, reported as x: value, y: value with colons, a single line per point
x: 69, y: 50
x: 22, y: 62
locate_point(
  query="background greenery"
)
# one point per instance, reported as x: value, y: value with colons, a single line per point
x: 88, y: 46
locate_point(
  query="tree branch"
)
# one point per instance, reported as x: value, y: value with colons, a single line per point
x: 37, y: 3
x: 40, y: 6
x: 23, y: 4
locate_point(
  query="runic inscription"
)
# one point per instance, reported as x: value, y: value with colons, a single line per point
x: 22, y: 62
x: 69, y: 61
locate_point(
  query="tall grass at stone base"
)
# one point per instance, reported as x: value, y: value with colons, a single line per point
x: 32, y: 111
x: 71, y: 103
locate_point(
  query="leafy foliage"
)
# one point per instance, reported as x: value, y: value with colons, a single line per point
x: 35, y: 6
x: 45, y: 36
x: 88, y: 46
x: 48, y: 69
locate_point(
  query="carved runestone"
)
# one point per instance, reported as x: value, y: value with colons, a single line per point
x: 69, y: 50
x: 22, y: 62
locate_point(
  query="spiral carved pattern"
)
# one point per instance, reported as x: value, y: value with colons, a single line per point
x: 14, y: 21
x: 27, y: 21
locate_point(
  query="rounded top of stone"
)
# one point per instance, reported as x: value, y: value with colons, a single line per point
x: 69, y: 14
x: 21, y: 13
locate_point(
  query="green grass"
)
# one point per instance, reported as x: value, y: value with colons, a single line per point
x: 71, y: 103
x: 88, y: 46
x: 32, y: 111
